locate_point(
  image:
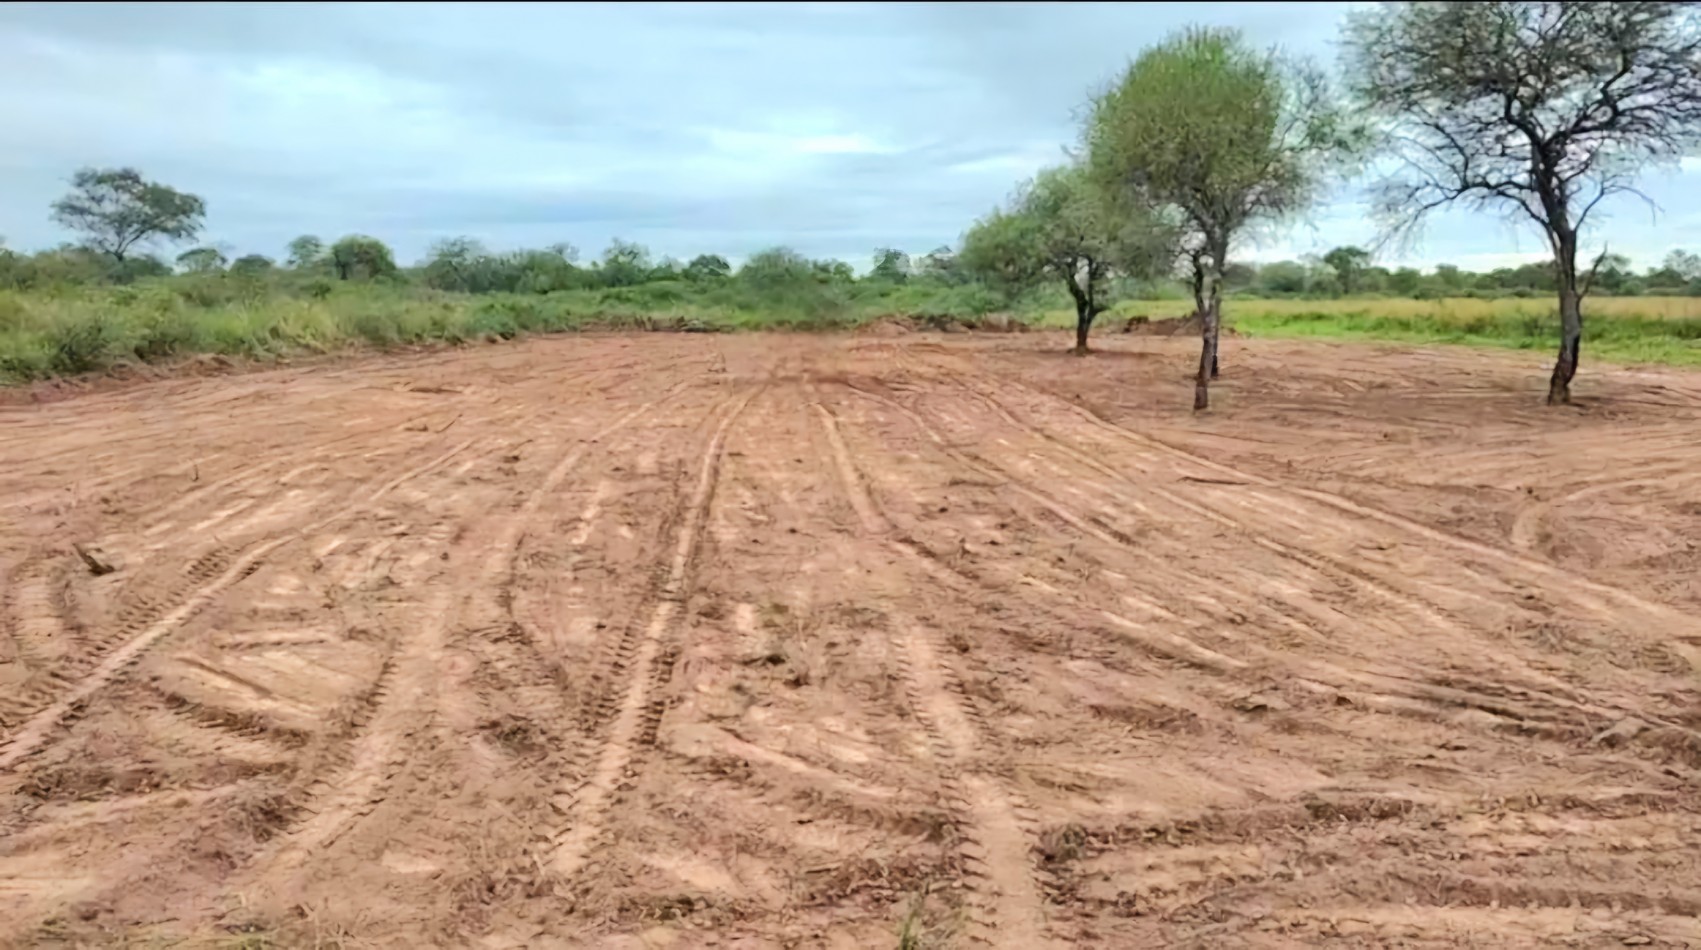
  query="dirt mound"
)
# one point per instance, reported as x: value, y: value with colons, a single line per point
x: 1168, y: 326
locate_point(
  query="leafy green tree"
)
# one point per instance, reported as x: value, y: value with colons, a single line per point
x: 1231, y: 136
x: 777, y: 268
x: 251, y: 265
x: 1684, y: 264
x: 668, y: 268
x: 201, y: 260
x: 1449, y: 277
x: 457, y: 263
x: 834, y: 272
x: 890, y: 265
x: 116, y: 209
x: 1063, y: 227
x: 707, y: 267
x: 1541, y: 108
x: 306, y: 251
x: 358, y: 257
x: 1348, y: 263
x: 1283, y: 277
x: 624, y: 264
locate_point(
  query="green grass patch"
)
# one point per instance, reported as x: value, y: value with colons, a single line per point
x: 63, y: 331
x: 1674, y: 341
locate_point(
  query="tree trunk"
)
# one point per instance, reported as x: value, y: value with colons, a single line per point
x: 1570, y: 345
x: 1209, y: 320
x: 1199, y: 305
x: 1570, y: 321
x: 1083, y: 324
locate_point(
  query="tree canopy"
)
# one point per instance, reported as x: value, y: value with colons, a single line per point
x: 1064, y: 226
x: 1229, y: 135
x: 115, y: 209
x: 1542, y: 109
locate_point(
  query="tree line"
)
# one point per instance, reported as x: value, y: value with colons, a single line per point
x: 1540, y: 110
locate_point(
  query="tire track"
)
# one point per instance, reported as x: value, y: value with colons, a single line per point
x: 1484, y: 697
x: 1319, y: 676
x: 411, y: 676
x: 214, y: 577
x: 1008, y: 906
x: 1562, y: 579
x: 587, y: 803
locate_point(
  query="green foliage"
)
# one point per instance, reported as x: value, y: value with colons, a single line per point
x: 707, y: 267
x: 251, y: 265
x: 1065, y: 227
x: 1348, y: 264
x: 306, y: 251
x: 890, y: 265
x: 624, y: 264
x: 1621, y: 338
x: 358, y: 257
x: 116, y: 209
x: 1228, y: 135
x: 201, y: 260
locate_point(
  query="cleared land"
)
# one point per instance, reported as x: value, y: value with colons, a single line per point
x: 682, y: 640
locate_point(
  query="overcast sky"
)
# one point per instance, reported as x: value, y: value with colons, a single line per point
x: 690, y: 128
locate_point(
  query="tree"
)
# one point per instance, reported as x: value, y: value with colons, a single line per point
x: 1231, y: 136
x: 624, y: 264
x: 1348, y: 263
x: 306, y: 251
x: 777, y: 268
x: 706, y: 267
x: 1544, y: 109
x: 890, y: 265
x: 833, y: 271
x: 117, y: 209
x: 455, y: 264
x: 1062, y: 226
x: 251, y: 265
x: 201, y: 260
x: 358, y: 257
x: 1684, y: 264
x: 1283, y: 277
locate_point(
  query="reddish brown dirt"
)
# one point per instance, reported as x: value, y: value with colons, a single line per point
x: 783, y: 641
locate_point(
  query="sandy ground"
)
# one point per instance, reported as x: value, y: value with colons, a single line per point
x: 784, y: 641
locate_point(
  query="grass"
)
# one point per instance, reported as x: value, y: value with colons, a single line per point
x: 1616, y: 329
x: 80, y: 330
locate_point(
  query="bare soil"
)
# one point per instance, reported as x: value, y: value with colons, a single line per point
x: 786, y: 641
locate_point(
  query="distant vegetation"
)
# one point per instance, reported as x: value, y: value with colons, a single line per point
x: 1201, y: 141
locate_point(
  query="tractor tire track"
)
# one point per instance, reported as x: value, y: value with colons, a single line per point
x: 213, y: 577
x: 1007, y: 904
x: 403, y: 703
x: 588, y: 801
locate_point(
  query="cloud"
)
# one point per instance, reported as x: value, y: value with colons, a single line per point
x: 833, y: 128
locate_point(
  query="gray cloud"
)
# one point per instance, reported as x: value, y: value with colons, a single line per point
x: 691, y: 127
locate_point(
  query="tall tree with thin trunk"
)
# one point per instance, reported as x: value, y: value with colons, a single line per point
x: 1062, y: 227
x: 1232, y: 136
x: 1543, y: 109
x: 117, y: 209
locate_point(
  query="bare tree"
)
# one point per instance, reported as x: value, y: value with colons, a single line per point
x: 1544, y: 109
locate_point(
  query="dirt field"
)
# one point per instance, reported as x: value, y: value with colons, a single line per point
x: 761, y: 641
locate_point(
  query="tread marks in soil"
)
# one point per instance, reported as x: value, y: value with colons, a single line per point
x: 390, y: 714
x: 1006, y: 904
x: 152, y: 620
x: 638, y: 664
x: 1557, y: 707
